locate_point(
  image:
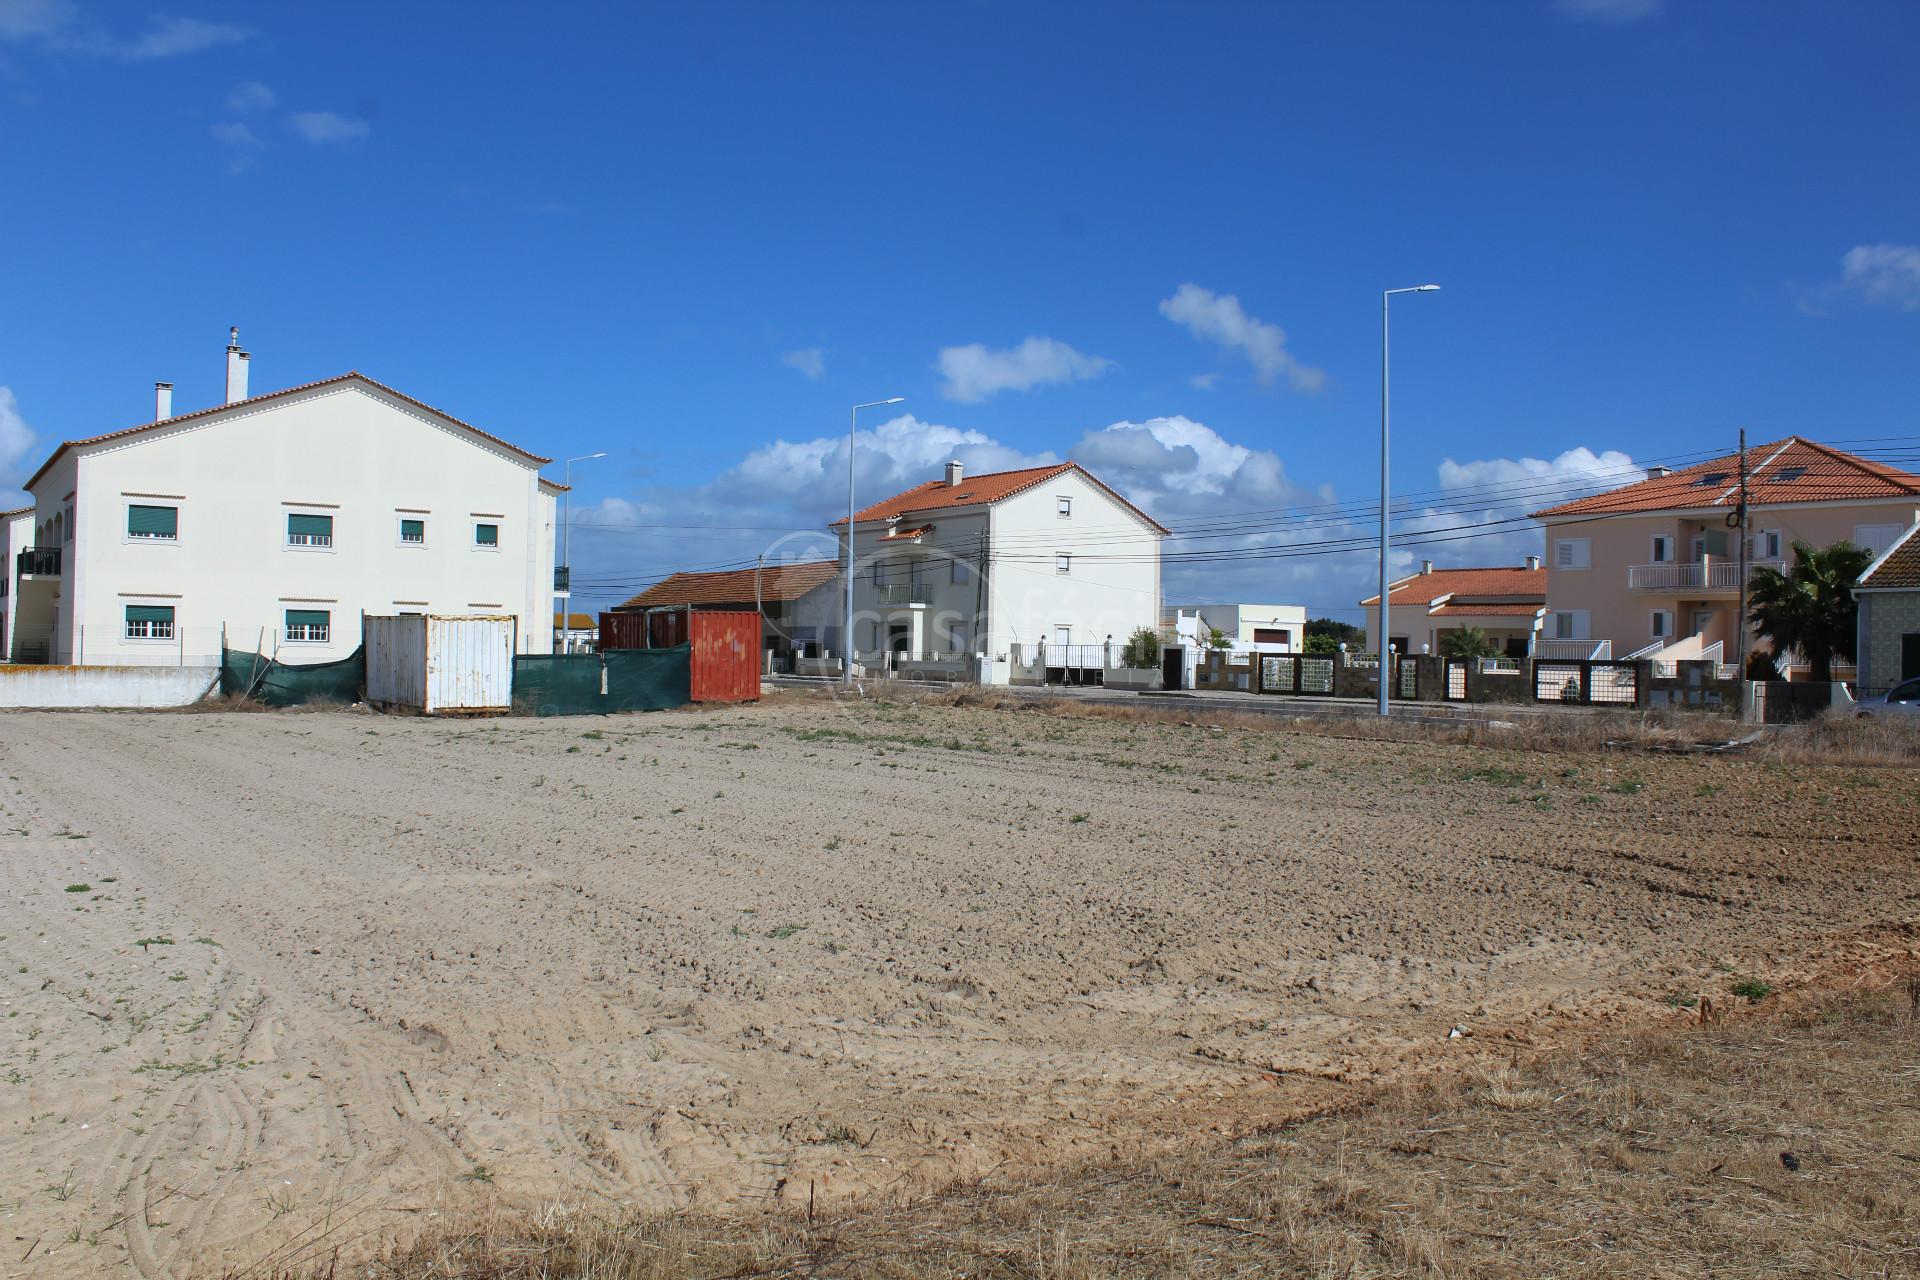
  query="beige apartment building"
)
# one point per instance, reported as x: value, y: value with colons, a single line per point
x: 1652, y: 569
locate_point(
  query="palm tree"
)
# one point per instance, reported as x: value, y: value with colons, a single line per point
x: 1466, y: 642
x: 1811, y: 606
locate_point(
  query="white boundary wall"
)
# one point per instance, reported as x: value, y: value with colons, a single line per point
x: 33, y: 687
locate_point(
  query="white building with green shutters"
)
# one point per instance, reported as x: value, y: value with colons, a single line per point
x: 276, y: 521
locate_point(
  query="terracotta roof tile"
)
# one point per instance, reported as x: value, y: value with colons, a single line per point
x: 735, y: 586
x: 17, y: 511
x: 1898, y: 566
x: 576, y: 622
x: 1487, y: 609
x: 350, y: 376
x: 1786, y: 471
x: 994, y: 486
x: 1516, y: 586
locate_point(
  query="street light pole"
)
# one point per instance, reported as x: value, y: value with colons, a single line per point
x: 566, y: 538
x: 846, y: 640
x: 1386, y: 612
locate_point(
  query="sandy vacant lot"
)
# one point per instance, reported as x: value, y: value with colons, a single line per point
x: 293, y: 978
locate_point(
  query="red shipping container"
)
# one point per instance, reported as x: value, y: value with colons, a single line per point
x: 726, y: 656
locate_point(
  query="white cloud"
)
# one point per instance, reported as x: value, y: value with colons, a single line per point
x: 1219, y: 318
x: 1885, y: 274
x: 171, y: 37
x: 811, y: 361
x: 974, y: 372
x: 16, y: 440
x: 1617, y: 12
x: 250, y: 96
x: 1204, y: 381
x: 60, y: 25
x: 327, y: 128
x: 233, y: 133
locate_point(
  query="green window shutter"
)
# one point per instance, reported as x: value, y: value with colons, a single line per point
x: 153, y: 522
x: 486, y: 535
x: 307, y: 617
x: 149, y: 613
x: 413, y: 530
x: 322, y: 525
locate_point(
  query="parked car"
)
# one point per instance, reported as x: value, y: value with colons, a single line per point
x: 1901, y: 700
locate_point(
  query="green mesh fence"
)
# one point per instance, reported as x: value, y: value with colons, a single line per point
x: 280, y: 685
x: 585, y: 684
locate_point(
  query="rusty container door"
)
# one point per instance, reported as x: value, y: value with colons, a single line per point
x: 726, y: 657
x: 623, y: 631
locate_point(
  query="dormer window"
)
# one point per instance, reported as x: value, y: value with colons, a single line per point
x: 1790, y: 474
x: 1710, y: 479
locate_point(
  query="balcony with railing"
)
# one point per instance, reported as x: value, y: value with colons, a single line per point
x: 906, y: 593
x: 1714, y: 575
x: 38, y: 562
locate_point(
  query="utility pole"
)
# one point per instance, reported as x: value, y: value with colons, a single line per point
x: 1740, y: 532
x: 760, y: 609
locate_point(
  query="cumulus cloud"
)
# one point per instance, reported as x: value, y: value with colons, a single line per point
x: 249, y: 97
x: 16, y: 443
x: 328, y: 128
x: 974, y: 372
x: 810, y: 361
x: 1616, y: 12
x: 1219, y: 318
x: 61, y: 26
x: 1883, y: 274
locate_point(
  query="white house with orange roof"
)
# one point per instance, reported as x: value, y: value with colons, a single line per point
x: 1652, y: 568
x: 278, y: 520
x: 1044, y: 566
x: 16, y: 535
x: 1506, y: 602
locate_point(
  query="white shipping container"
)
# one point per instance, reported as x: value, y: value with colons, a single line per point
x: 441, y: 664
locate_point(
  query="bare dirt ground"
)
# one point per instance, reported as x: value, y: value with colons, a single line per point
x: 291, y: 979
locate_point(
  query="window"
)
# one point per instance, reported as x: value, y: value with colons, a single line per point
x: 1570, y: 624
x: 1908, y: 692
x: 1662, y: 624
x: 1764, y: 545
x: 149, y: 622
x: 486, y: 536
x: 1063, y: 563
x: 959, y: 571
x: 309, y: 531
x: 1271, y: 635
x: 413, y: 531
x: 69, y: 522
x: 1662, y: 548
x: 1064, y: 506
x: 1711, y: 479
x: 308, y: 626
x: 1876, y: 537
x: 1573, y: 553
x: 156, y: 523
x: 1788, y: 475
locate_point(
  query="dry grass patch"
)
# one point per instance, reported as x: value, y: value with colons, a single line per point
x: 1780, y: 1145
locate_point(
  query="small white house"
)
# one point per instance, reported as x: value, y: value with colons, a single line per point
x: 278, y: 520
x: 1243, y: 629
x: 1042, y: 569
x: 16, y: 535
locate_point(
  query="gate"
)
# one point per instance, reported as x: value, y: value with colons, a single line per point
x: 1456, y: 690
x: 1409, y: 682
x: 1310, y: 675
x: 1585, y: 682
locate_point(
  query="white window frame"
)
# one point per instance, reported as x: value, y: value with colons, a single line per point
x: 498, y: 537
x: 1063, y: 563
x: 143, y: 540
x: 1573, y: 553
x: 400, y: 519
x: 1579, y: 624
x: 127, y: 625
x: 287, y: 535
x: 1063, y: 505
x: 1660, y: 625
x: 326, y: 628
x: 1655, y: 548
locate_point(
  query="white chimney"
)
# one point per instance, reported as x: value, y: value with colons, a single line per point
x: 1654, y: 473
x: 953, y: 474
x: 236, y: 367
x: 1533, y: 562
x: 162, y: 401
x: 1426, y: 566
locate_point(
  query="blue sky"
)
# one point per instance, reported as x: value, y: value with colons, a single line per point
x: 693, y: 235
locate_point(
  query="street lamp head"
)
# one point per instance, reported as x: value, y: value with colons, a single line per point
x: 1426, y: 288
x: 601, y: 454
x: 895, y: 400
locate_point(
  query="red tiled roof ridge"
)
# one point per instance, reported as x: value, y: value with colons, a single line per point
x: 1469, y: 583
x: 1679, y: 490
x: 1010, y: 484
x: 349, y: 376
x: 1898, y: 567
x: 785, y: 581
